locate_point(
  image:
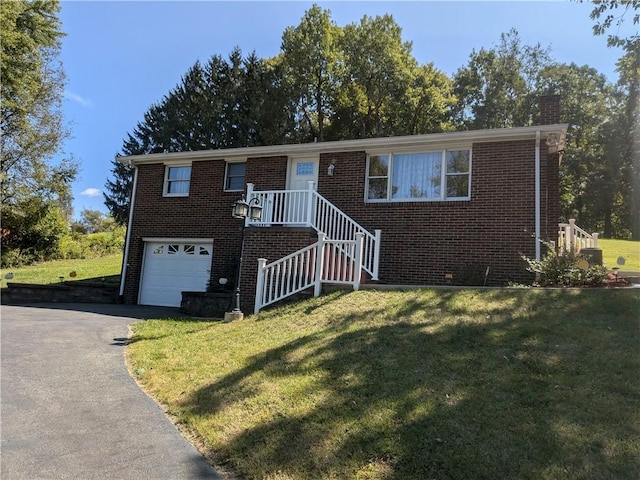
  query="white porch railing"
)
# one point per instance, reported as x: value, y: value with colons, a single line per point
x: 573, y: 238
x: 308, y: 208
x: 327, y: 261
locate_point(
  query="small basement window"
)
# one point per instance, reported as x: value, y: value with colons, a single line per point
x: 177, y: 181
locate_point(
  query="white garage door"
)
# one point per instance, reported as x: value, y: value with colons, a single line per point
x: 171, y: 267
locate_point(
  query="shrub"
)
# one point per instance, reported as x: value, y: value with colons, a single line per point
x: 78, y: 245
x: 563, y: 268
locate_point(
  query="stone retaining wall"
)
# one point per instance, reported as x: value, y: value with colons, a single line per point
x: 64, y: 292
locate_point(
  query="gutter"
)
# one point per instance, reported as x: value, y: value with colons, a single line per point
x: 125, y: 260
x: 407, y: 142
x: 537, y: 195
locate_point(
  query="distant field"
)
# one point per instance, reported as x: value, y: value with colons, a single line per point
x: 107, y: 268
x: 612, y: 249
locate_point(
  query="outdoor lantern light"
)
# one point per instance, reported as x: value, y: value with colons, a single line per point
x: 255, y: 210
x: 242, y: 210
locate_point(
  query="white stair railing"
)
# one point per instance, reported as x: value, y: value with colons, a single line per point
x: 573, y: 238
x: 337, y: 225
x: 310, y: 209
x: 327, y: 261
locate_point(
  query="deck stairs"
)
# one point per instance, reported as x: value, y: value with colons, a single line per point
x: 573, y: 238
x: 344, y: 249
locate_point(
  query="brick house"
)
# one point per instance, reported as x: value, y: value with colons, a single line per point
x: 445, y: 208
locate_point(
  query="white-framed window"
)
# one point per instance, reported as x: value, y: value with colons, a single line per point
x: 177, y: 180
x: 234, y: 177
x: 423, y: 176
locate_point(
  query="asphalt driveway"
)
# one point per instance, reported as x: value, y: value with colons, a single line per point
x: 69, y: 408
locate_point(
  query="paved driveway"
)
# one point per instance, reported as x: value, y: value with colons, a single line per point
x: 69, y: 408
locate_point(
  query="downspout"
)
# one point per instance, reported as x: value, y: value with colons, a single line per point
x: 127, y: 242
x: 537, y: 195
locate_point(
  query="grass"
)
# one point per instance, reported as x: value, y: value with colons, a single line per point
x: 96, y: 269
x: 612, y: 249
x: 438, y: 384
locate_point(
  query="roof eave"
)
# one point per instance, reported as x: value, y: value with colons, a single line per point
x: 469, y: 136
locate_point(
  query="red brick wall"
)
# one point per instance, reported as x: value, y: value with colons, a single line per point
x: 205, y: 213
x: 271, y: 243
x: 421, y: 241
x: 549, y: 108
x: 424, y: 241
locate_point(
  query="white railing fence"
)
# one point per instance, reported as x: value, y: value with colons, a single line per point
x: 310, y: 209
x: 327, y: 261
x: 573, y: 238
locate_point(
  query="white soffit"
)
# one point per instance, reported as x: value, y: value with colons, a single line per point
x: 441, y: 140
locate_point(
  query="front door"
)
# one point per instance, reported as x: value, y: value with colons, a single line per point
x: 302, y: 170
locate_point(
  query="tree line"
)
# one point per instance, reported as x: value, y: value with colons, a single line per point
x: 328, y: 82
x: 362, y: 81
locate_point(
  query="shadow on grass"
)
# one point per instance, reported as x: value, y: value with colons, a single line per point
x: 520, y: 386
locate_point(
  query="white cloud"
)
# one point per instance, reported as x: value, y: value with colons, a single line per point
x: 91, y: 192
x: 85, y: 102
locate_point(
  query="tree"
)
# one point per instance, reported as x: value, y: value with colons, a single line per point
x: 498, y: 88
x: 603, y: 14
x: 377, y: 74
x: 589, y: 184
x: 629, y: 127
x: 119, y: 187
x: 94, y: 221
x: 30, y: 111
x: 33, y: 186
x: 239, y: 102
x: 382, y: 90
x: 311, y: 62
x: 32, y: 232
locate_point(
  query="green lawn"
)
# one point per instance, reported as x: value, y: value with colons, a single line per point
x: 107, y: 268
x: 438, y: 384
x: 612, y: 249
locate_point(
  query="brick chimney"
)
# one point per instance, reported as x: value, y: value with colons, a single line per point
x: 549, y: 109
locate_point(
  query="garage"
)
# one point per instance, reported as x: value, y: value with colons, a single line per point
x: 171, y: 267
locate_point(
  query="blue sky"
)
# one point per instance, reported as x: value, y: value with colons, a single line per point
x: 120, y: 57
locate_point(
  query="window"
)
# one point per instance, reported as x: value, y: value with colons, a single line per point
x: 438, y: 175
x: 176, y: 181
x: 458, y: 174
x: 304, y: 168
x: 234, y: 178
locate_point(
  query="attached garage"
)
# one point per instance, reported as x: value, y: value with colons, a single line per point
x: 171, y: 266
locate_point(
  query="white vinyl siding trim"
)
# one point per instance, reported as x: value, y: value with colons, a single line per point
x: 442, y: 175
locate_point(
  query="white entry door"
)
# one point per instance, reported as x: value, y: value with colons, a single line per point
x: 171, y: 267
x: 301, y: 171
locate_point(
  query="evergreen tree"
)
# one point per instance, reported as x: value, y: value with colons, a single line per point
x: 239, y: 102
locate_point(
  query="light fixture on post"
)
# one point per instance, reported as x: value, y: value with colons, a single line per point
x: 241, y: 209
